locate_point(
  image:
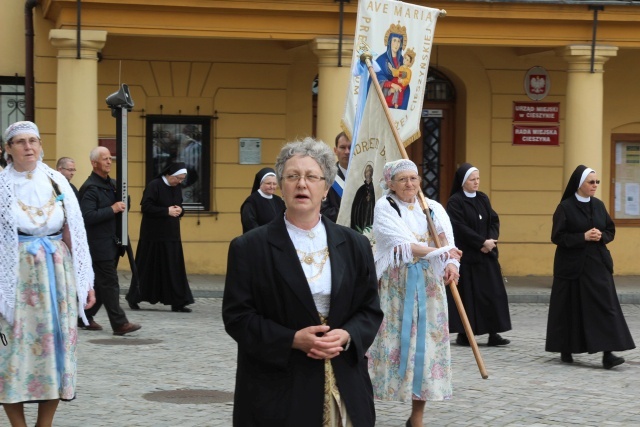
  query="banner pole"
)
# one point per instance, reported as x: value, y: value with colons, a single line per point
x: 366, y: 58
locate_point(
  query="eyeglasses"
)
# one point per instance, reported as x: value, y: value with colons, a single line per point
x: 308, y: 178
x: 69, y: 169
x: 593, y: 181
x: 34, y: 142
x: 411, y: 179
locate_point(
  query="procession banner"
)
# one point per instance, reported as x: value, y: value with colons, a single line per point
x: 399, y: 35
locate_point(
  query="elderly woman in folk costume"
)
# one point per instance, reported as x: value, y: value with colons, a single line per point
x: 410, y: 359
x: 301, y: 301
x: 45, y: 280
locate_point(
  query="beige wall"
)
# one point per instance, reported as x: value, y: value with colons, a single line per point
x: 525, y: 182
x: 267, y: 94
x: 12, y: 29
x: 262, y: 89
x: 621, y: 115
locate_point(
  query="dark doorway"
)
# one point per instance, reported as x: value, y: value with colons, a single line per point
x: 434, y: 151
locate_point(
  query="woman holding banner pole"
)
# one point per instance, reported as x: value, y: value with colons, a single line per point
x: 410, y: 359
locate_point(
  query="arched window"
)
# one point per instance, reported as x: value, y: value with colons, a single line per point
x: 439, y: 87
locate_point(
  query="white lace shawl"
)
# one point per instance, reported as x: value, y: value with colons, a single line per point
x: 9, y: 242
x: 394, y: 238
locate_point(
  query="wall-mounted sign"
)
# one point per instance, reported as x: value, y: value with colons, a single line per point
x: 250, y: 151
x: 536, y: 135
x: 546, y: 112
x: 537, y: 83
x: 432, y: 113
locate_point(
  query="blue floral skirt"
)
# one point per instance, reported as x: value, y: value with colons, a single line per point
x: 431, y: 379
x: 39, y: 362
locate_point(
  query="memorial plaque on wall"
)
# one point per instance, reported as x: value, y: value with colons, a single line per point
x: 250, y: 151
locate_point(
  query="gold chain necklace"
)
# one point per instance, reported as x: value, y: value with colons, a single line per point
x: 44, y: 211
x: 309, y: 258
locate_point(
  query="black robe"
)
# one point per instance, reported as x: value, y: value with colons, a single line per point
x: 364, y: 203
x: 584, y: 311
x: 481, y: 285
x: 162, y: 276
x: 257, y: 210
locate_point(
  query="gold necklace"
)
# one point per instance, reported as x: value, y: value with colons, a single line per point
x: 309, y: 258
x: 44, y: 211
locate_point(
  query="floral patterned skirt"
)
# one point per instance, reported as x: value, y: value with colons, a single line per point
x: 35, y: 365
x: 385, y: 354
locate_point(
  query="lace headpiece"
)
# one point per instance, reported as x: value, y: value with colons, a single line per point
x: 395, y: 167
x: 21, y: 127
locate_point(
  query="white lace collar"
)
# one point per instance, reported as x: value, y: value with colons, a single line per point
x: 9, y: 243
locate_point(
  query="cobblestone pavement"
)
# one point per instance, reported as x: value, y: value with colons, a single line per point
x: 177, y: 352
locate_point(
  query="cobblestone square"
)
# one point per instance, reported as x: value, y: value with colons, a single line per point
x: 180, y: 351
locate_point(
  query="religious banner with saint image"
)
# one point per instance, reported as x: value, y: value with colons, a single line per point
x: 399, y: 36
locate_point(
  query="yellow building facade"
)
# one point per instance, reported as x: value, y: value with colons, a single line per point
x: 247, y: 69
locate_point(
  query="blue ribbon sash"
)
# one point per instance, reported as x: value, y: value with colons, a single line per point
x: 338, y: 186
x: 35, y: 243
x: 415, y: 287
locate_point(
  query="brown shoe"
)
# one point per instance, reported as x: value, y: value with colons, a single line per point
x: 126, y: 328
x: 93, y: 326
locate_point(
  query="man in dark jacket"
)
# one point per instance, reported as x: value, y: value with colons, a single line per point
x: 67, y: 167
x: 100, y: 206
x: 331, y: 206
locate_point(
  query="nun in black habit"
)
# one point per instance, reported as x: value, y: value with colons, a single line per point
x: 162, y: 276
x: 476, y: 228
x: 262, y: 205
x: 584, y: 311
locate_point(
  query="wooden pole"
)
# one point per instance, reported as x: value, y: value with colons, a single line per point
x: 366, y: 58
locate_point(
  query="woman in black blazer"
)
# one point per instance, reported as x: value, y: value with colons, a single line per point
x: 301, y: 301
x: 584, y: 311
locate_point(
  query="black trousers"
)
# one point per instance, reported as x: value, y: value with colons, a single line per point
x: 107, y: 290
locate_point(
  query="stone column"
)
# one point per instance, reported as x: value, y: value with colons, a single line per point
x: 77, y: 105
x: 583, y: 142
x: 332, y: 85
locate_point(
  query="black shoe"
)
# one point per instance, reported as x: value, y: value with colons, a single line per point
x: 496, y: 340
x: 133, y: 305
x: 609, y: 360
x: 462, y: 340
x: 566, y: 357
x: 182, y: 309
